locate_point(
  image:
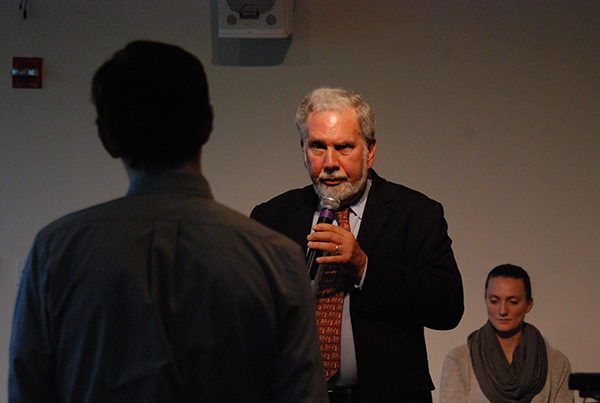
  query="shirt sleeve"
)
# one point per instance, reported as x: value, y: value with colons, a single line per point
x: 453, y: 388
x: 297, y: 372
x: 31, y: 372
x: 560, y: 372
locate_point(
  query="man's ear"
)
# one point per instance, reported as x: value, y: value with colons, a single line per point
x: 371, y: 153
x: 108, y: 142
x: 210, y: 123
x: 303, y: 154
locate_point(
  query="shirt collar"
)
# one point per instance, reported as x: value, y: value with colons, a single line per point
x: 170, y: 182
x: 358, y: 208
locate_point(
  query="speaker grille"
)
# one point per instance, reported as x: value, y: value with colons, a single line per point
x: 261, y: 6
x: 255, y: 18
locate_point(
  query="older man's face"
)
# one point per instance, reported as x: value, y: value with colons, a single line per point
x: 336, y: 156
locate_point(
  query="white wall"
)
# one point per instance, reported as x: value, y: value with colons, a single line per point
x: 490, y: 107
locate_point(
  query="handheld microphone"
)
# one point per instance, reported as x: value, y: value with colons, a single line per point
x: 329, y: 206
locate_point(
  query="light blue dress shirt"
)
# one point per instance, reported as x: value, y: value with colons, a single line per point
x: 347, y: 374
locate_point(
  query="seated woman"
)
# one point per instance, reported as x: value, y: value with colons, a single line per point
x: 507, y: 359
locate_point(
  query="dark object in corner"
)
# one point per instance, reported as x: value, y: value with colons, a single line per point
x: 588, y: 384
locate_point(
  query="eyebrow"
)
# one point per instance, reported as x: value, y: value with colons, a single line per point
x: 497, y: 296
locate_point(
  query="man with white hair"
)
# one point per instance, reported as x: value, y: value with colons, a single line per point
x: 381, y: 279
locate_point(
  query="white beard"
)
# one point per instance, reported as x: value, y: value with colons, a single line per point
x: 345, y: 192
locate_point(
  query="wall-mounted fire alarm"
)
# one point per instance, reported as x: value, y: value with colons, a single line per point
x: 27, y: 72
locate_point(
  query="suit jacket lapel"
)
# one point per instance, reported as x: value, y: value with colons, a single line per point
x: 377, y: 211
x: 301, y: 220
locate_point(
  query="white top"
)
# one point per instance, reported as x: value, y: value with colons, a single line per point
x: 459, y: 384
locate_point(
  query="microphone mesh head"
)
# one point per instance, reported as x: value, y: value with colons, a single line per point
x: 330, y: 203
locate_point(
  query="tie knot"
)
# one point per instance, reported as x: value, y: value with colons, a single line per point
x: 343, y: 219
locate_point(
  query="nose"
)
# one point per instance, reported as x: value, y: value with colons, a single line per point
x: 331, y: 159
x: 503, y: 309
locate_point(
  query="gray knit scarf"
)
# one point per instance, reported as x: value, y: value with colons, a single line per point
x: 500, y: 381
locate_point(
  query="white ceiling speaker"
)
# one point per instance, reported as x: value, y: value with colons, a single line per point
x: 255, y: 18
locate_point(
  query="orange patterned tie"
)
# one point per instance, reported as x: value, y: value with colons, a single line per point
x: 330, y: 300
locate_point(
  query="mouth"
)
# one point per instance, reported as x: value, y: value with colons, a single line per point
x: 332, y: 181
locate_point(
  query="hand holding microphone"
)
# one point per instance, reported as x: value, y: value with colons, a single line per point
x: 351, y: 258
x: 329, y: 205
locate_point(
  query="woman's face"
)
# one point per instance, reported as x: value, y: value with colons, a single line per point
x: 507, y: 305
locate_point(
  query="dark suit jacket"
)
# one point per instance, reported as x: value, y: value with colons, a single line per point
x: 412, y: 281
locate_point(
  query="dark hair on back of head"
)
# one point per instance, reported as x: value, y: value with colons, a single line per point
x: 511, y: 271
x: 153, y: 105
